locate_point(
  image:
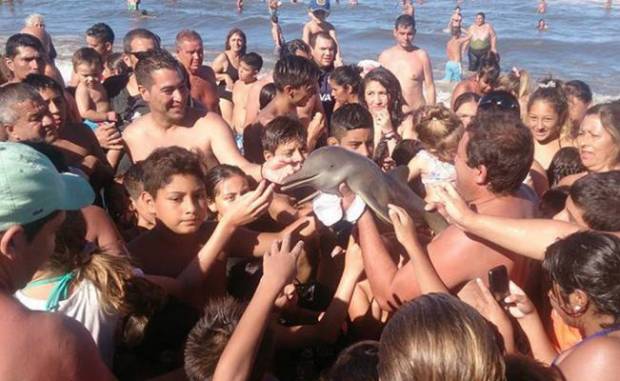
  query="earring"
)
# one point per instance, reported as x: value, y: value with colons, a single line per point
x: 577, y: 308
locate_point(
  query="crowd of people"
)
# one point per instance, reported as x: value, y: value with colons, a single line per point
x: 148, y: 230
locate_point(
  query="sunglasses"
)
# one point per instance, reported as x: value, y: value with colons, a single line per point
x: 499, y: 101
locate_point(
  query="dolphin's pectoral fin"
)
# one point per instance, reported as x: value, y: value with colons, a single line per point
x: 400, y: 173
x: 377, y: 206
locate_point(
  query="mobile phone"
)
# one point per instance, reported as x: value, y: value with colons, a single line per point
x: 498, y: 283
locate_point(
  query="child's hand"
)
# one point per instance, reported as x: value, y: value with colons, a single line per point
x: 403, y: 226
x: 353, y: 261
x: 250, y: 206
x: 316, y: 126
x: 280, y: 263
x: 519, y: 305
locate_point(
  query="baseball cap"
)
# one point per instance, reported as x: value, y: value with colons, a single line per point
x: 31, y: 188
x: 319, y: 5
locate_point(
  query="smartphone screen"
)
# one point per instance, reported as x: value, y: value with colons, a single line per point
x: 498, y: 282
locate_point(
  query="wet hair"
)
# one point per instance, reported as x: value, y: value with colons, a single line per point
x: 439, y: 130
x: 465, y: 98
x: 140, y: 33
x: 295, y: 71
x: 292, y: 47
x: 157, y: 60
x: 114, y: 62
x: 241, y: 34
x: 352, y: 116
x: 489, y: 69
x: 598, y: 197
x: 609, y: 113
x: 518, y: 83
x: 208, y: 339
x: 404, y: 21
x: 42, y: 82
x: 392, y: 86
x: 102, y: 32
x: 133, y: 180
x: 588, y: 261
x: 323, y: 35
x: 87, y: 56
x: 504, y: 145
x: 358, y: 362
x: 159, y: 168
x: 578, y: 89
x: 267, y: 93
x: 424, y: 340
x: 218, y: 174
x: 565, y: 162
x: 553, y: 201
x: 22, y: 40
x: 551, y: 92
x: 282, y: 130
x: 523, y: 368
x: 253, y: 60
x: 187, y: 35
x: 11, y: 95
x: 347, y: 75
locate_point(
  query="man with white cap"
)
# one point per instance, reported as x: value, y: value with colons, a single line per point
x: 33, y: 198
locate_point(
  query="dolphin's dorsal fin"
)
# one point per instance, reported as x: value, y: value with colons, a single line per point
x: 400, y: 174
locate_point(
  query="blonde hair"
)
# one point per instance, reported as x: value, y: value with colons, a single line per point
x: 518, y: 82
x: 439, y: 130
x: 120, y: 290
x: 437, y: 337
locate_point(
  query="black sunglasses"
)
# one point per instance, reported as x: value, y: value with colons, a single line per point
x: 499, y: 100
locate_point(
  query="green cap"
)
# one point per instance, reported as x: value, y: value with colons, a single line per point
x: 31, y: 188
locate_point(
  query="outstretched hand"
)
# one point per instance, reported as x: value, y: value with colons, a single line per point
x: 280, y: 263
x: 451, y: 205
x: 250, y: 206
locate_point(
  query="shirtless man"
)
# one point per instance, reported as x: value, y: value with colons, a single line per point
x: 318, y: 10
x: 54, y: 346
x: 190, y: 53
x: 172, y: 122
x: 410, y: 64
x: 483, y: 40
x: 488, y: 184
x: 454, y: 50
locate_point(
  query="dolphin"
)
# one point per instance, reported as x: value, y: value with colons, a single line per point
x: 328, y: 167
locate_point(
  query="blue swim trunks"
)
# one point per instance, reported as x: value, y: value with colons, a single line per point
x: 454, y: 71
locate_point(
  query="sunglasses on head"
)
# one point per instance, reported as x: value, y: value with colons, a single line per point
x: 499, y: 100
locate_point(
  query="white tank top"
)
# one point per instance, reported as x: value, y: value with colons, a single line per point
x: 84, y: 306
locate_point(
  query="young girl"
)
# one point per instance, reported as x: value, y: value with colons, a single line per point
x: 547, y: 118
x: 345, y: 83
x: 439, y: 130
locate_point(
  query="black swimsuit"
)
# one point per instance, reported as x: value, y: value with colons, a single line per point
x: 234, y: 75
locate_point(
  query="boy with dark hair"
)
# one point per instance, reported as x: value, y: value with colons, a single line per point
x: 352, y: 129
x: 285, y: 137
x: 134, y: 185
x: 296, y: 81
x: 250, y: 65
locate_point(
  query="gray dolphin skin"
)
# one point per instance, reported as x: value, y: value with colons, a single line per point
x: 328, y: 167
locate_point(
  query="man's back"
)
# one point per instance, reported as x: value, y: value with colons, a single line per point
x: 45, y: 346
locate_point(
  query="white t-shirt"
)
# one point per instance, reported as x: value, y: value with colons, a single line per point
x: 84, y: 306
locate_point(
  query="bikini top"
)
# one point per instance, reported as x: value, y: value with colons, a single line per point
x: 601, y: 333
x: 59, y: 292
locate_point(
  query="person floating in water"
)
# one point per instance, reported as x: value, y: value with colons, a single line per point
x: 542, y: 25
x: 542, y: 6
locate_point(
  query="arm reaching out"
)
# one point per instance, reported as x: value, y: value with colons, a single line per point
x: 237, y: 360
x: 509, y: 233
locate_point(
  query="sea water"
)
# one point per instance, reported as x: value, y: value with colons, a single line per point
x: 582, y: 41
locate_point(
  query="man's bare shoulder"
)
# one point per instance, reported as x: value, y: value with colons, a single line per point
x: 206, y: 72
x: 137, y: 127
